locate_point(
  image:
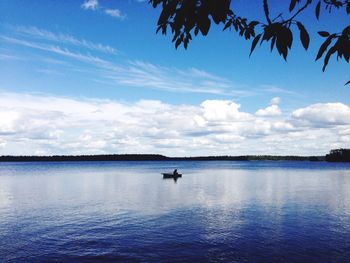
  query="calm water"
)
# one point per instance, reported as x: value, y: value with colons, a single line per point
x: 218, y: 211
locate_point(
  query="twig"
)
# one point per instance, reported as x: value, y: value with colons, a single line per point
x: 266, y: 10
x: 299, y: 11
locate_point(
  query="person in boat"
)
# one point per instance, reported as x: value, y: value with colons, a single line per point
x: 175, y: 173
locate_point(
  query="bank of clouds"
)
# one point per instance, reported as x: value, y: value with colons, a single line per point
x: 44, y: 124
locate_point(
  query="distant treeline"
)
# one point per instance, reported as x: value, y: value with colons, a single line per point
x: 338, y: 155
x: 153, y: 157
x: 78, y: 158
x: 252, y: 158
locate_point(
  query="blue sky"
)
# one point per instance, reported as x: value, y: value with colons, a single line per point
x: 210, y: 99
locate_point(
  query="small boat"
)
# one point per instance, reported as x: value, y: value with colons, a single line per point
x: 171, y: 175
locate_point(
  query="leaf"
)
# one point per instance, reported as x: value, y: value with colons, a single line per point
x: 174, y: 38
x: 228, y: 24
x: 337, y: 4
x: 253, y: 23
x: 292, y: 5
x: 282, y: 47
x: 324, y: 47
x: 196, y: 30
x: 189, y: 36
x: 271, y: 30
x: 252, y: 32
x: 304, y: 35
x: 204, y: 25
x: 235, y: 25
x: 346, y: 31
x: 330, y: 52
x: 178, y: 42
x: 343, y: 47
x: 218, y: 11
x: 346, y: 48
x: 273, y: 41
x: 284, y: 41
x: 255, y: 41
x: 318, y: 7
x: 287, y: 34
x: 247, y: 35
x: 185, y: 43
x: 323, y: 33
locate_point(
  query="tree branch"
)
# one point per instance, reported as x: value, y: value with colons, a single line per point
x: 266, y: 10
x: 299, y: 11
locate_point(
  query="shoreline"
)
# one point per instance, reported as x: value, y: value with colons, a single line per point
x: 336, y: 155
x: 156, y: 157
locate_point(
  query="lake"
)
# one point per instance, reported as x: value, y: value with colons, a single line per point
x: 224, y: 211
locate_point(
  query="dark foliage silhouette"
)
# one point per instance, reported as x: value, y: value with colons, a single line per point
x: 186, y: 18
x: 338, y: 155
x: 152, y: 157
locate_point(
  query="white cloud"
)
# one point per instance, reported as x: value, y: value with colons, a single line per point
x: 141, y: 74
x: 8, y: 57
x: 147, y: 75
x: 274, y: 89
x: 57, y: 50
x: 94, y: 5
x: 275, y: 101
x: 62, y: 39
x: 324, y: 114
x: 270, y: 111
x: 115, y: 13
x: 223, y: 110
x: 48, y: 71
x: 90, y: 4
x: 46, y: 124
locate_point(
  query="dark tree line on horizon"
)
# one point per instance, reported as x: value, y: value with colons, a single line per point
x: 185, y: 19
x: 154, y: 157
x: 338, y: 155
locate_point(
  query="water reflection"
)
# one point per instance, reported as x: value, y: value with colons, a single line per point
x: 224, y: 210
x: 144, y: 191
x: 173, y: 179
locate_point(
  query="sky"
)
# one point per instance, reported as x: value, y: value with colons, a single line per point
x: 93, y: 77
